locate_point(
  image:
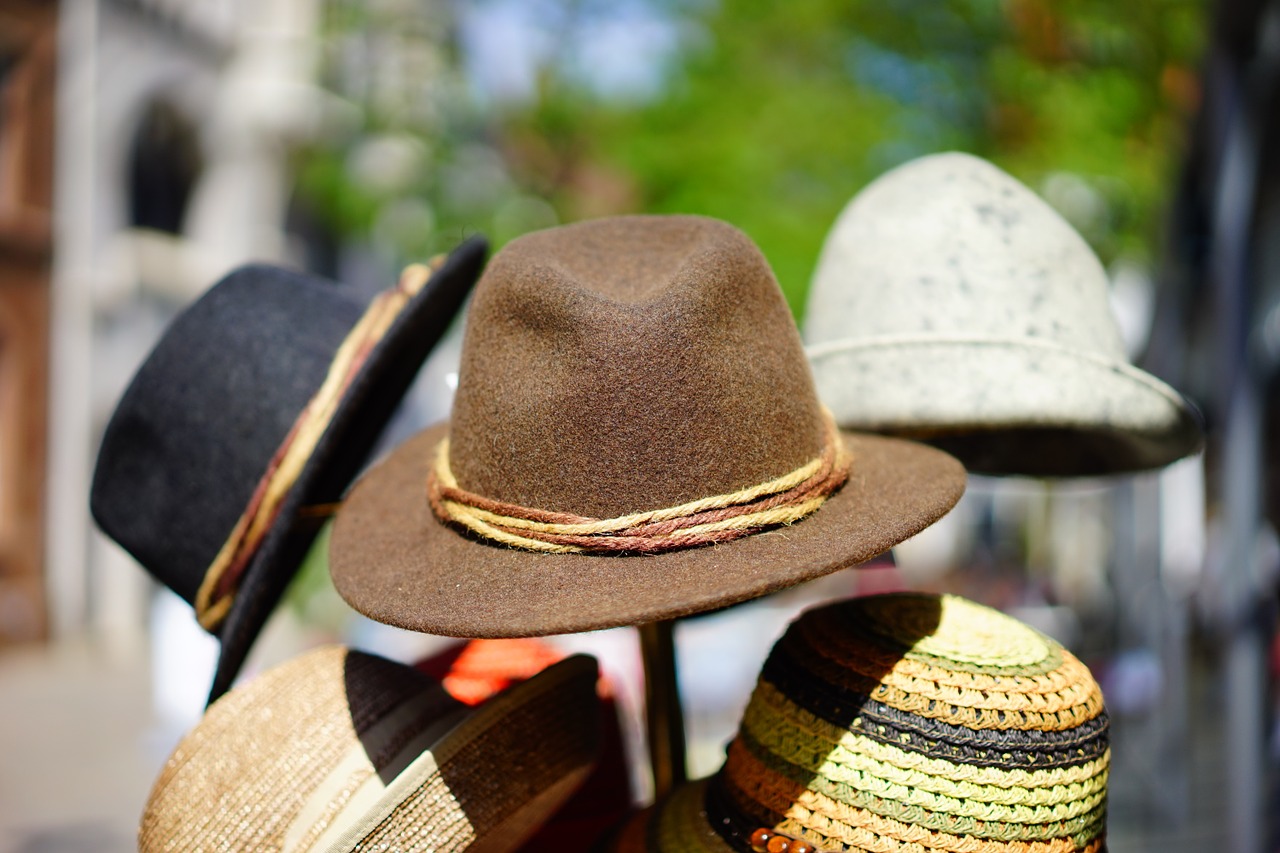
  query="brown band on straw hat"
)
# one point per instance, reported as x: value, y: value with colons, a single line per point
x: 621, y: 377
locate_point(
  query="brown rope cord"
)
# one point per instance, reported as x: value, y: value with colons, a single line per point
x: 222, y: 579
x: 719, y: 518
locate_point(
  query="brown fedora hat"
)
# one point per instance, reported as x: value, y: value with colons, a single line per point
x: 633, y: 386
x: 339, y: 750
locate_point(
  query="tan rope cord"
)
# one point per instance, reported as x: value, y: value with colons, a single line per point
x: 719, y: 518
x: 222, y: 578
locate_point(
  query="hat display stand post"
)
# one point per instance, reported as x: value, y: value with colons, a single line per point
x: 664, y: 717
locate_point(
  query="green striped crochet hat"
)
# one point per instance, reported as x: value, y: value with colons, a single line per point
x: 903, y: 722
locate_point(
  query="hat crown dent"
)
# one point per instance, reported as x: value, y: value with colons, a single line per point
x: 627, y: 364
x: 949, y: 245
x: 197, y: 427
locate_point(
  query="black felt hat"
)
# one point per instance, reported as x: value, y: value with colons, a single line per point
x: 207, y: 414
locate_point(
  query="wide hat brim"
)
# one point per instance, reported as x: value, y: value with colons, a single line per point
x: 1008, y: 407
x: 395, y: 562
x: 357, y: 422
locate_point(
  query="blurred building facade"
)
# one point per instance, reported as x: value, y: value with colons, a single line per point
x: 175, y: 120
x: 28, y: 58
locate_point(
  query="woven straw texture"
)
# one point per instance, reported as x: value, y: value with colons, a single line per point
x: 905, y: 722
x: 334, y: 746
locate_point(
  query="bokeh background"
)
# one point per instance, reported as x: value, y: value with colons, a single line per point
x: 148, y: 146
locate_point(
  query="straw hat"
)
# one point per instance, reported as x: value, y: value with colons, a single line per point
x: 257, y: 407
x: 902, y: 722
x: 338, y: 750
x: 991, y: 316
x: 635, y: 437
x: 475, y: 670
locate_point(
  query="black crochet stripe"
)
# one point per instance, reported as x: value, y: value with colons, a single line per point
x: 729, y: 819
x: 926, y: 736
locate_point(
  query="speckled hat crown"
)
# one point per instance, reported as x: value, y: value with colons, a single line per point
x: 903, y: 722
x: 339, y: 750
x: 951, y: 304
x: 621, y: 367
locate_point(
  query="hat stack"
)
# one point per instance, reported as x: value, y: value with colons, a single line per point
x: 903, y: 722
x: 991, y: 316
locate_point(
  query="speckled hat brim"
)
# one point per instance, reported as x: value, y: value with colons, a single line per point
x: 358, y: 420
x: 393, y: 561
x: 1021, y: 407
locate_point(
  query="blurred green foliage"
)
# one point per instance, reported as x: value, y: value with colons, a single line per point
x: 771, y: 116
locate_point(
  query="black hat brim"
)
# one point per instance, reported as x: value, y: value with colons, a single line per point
x: 342, y: 450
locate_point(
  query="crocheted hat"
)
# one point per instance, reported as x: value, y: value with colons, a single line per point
x: 257, y: 407
x: 903, y: 722
x: 338, y: 750
x: 635, y: 437
x: 990, y: 314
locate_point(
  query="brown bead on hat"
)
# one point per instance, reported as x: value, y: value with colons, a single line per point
x: 635, y: 437
x: 991, y: 315
x: 339, y: 750
x: 902, y: 722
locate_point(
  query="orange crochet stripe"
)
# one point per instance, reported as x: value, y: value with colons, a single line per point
x: 831, y: 825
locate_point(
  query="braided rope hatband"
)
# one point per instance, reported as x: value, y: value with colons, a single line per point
x: 222, y: 579
x: 783, y: 500
x: 913, y: 723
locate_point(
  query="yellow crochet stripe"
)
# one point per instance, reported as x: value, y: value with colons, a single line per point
x: 776, y: 709
x: 947, y: 627
x: 854, y: 653
x: 211, y: 606
x: 890, y: 772
x: 821, y: 814
x: 826, y: 629
x: 483, y: 522
x: 923, y: 807
x: 818, y: 817
x: 681, y: 827
x: 911, y: 686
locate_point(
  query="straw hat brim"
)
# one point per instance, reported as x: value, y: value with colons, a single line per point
x: 392, y: 560
x: 678, y: 823
x: 364, y: 410
x: 1028, y: 407
x: 484, y: 777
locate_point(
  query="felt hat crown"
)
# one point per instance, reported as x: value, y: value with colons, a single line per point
x: 990, y: 314
x: 632, y: 365
x: 339, y: 750
x: 902, y: 722
x: 270, y: 373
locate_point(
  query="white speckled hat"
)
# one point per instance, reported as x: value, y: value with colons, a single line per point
x: 951, y: 304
